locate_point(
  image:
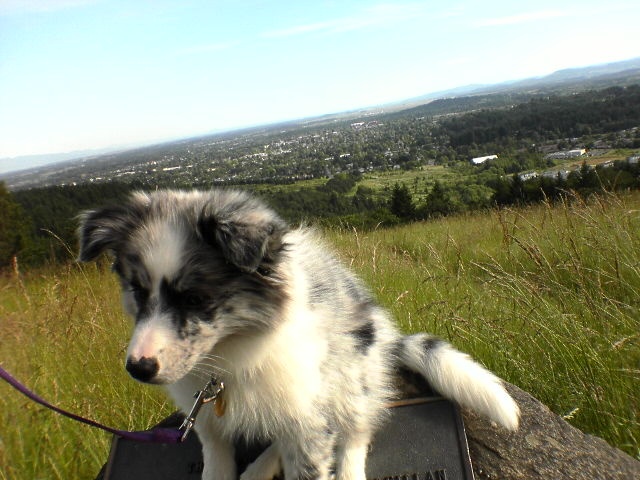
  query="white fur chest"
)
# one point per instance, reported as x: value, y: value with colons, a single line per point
x: 274, y: 381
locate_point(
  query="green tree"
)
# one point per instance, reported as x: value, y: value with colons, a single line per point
x: 589, y: 181
x: 341, y: 183
x: 438, y: 201
x: 518, y: 193
x: 401, y: 203
x: 585, y: 180
x: 14, y: 227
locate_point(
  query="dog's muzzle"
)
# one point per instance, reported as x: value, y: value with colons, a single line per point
x: 144, y: 369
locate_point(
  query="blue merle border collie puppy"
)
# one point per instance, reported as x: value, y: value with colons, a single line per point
x: 219, y: 285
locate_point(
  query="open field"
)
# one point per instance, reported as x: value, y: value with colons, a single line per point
x: 418, y: 180
x: 600, y: 158
x: 381, y: 182
x: 546, y: 296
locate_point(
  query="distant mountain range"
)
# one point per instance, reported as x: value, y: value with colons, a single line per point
x: 563, y: 81
x: 625, y: 72
x: 590, y: 73
x: 34, y: 161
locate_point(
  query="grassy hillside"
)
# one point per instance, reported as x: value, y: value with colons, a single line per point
x: 546, y: 296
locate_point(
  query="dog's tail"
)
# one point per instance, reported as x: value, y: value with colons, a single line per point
x: 456, y: 376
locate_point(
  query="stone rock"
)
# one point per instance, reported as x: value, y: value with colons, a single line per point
x: 544, y: 447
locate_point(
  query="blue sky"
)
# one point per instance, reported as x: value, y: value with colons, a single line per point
x: 81, y: 74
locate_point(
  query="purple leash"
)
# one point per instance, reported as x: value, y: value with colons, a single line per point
x: 156, y: 435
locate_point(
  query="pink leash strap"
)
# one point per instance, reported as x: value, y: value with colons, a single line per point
x: 156, y: 435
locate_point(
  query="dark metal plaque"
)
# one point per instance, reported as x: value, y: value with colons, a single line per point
x: 129, y: 460
x: 423, y: 439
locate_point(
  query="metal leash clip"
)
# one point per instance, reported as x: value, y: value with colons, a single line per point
x: 208, y: 394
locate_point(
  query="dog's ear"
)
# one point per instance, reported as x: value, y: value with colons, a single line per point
x: 247, y: 237
x: 104, y: 229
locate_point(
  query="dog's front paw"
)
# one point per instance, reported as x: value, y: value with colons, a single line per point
x: 265, y: 467
x: 219, y: 461
x: 217, y: 474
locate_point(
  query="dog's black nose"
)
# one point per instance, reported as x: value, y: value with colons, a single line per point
x: 144, y: 369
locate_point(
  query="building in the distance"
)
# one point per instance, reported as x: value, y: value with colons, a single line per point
x: 578, y: 152
x: 479, y: 160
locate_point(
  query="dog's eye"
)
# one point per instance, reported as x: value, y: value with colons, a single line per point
x: 140, y: 294
x: 190, y: 299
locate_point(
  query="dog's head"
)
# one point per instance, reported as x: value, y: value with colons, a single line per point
x: 196, y: 268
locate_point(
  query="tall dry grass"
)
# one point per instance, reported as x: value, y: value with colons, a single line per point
x: 546, y: 296
x: 63, y: 335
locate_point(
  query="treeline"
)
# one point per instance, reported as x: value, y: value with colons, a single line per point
x: 39, y: 225
x: 506, y: 190
x: 585, y: 181
x: 446, y: 106
x: 354, y: 205
x: 543, y: 118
